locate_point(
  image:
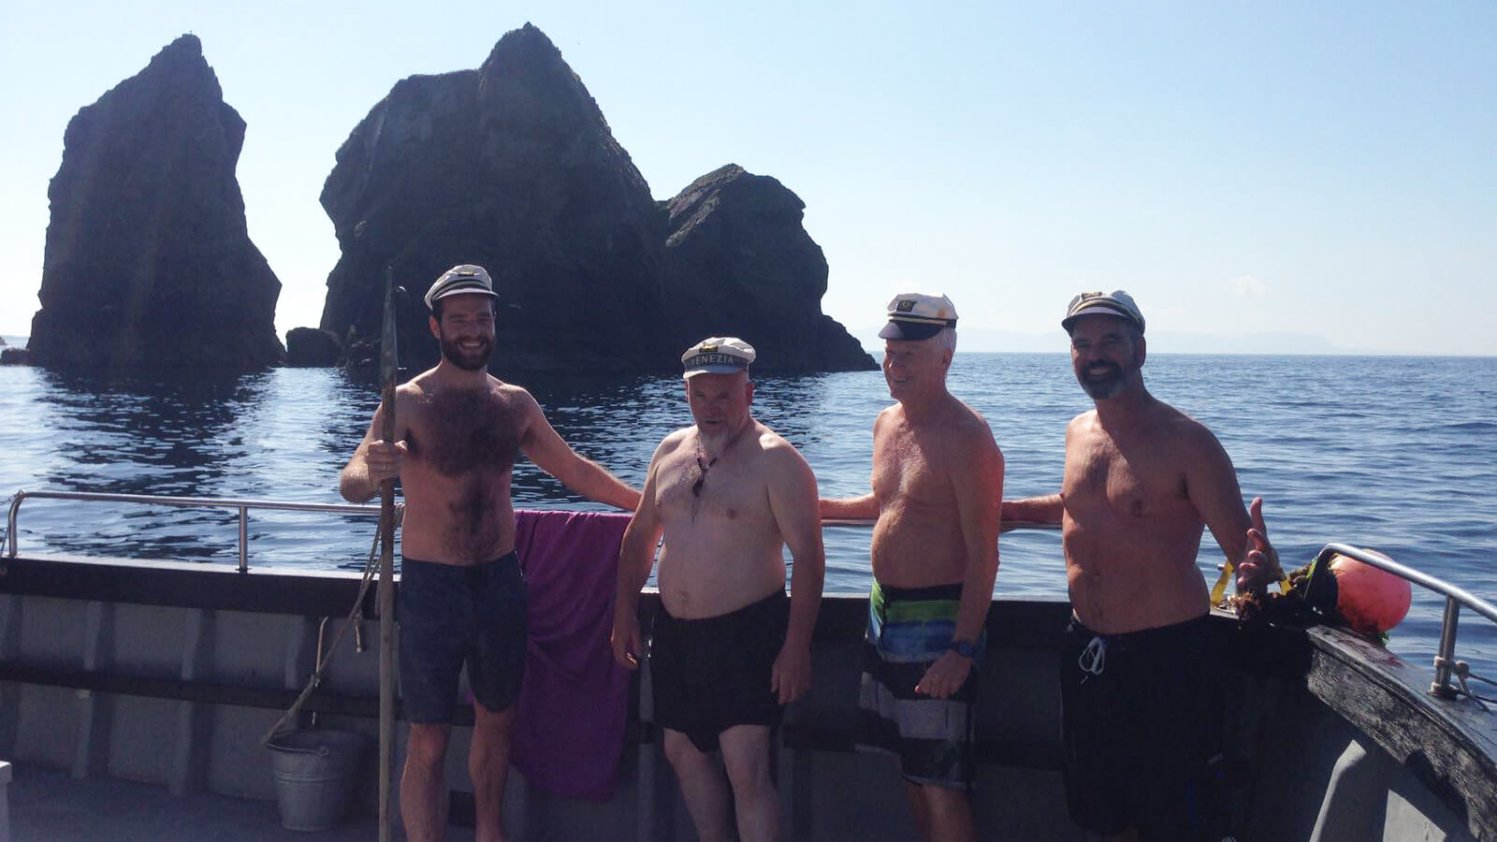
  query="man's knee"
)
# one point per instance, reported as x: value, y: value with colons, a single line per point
x: 493, y: 724
x: 426, y: 745
x: 746, y: 750
x: 944, y: 800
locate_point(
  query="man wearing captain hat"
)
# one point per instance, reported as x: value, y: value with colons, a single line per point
x: 1141, y: 482
x: 936, y: 468
x: 729, y: 649
x: 458, y: 432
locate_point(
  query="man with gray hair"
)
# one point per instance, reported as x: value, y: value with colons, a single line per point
x: 729, y: 648
x: 936, y: 469
x: 1142, y: 480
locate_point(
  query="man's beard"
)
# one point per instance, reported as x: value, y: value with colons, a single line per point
x: 467, y: 360
x: 1103, y: 385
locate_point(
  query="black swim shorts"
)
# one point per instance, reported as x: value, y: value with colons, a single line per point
x: 711, y: 674
x: 451, y: 615
x: 1142, y: 726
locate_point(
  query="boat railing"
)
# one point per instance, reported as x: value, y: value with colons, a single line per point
x: 1446, y: 665
x: 242, y: 506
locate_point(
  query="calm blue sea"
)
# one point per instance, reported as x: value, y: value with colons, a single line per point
x: 1394, y: 453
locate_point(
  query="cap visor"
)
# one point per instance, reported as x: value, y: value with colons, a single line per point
x: 909, y: 331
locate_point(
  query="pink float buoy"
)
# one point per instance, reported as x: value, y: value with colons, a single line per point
x: 1370, y: 599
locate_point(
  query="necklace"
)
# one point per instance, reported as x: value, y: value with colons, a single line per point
x: 704, y: 464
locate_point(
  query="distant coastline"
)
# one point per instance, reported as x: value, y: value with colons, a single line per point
x: 987, y: 340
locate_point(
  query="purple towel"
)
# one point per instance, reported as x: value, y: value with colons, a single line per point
x: 569, y: 727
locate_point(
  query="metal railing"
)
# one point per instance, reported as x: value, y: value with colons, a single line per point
x: 1455, y: 598
x: 1445, y: 664
x: 243, y: 507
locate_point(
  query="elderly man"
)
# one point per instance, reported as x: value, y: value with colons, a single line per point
x: 1142, y: 480
x: 458, y: 431
x: 937, y: 483
x: 729, y: 649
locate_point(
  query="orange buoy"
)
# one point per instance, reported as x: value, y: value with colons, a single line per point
x: 1370, y: 599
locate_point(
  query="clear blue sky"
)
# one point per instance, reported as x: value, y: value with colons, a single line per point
x: 1327, y: 170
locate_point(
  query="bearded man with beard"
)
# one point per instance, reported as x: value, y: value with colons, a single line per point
x: 1142, y: 480
x: 458, y: 430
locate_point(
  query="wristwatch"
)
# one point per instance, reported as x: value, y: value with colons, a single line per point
x: 965, y: 648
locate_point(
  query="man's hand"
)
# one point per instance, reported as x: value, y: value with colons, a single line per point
x: 384, y: 460
x: 627, y: 642
x: 945, y: 676
x: 1260, y: 566
x: 791, y: 676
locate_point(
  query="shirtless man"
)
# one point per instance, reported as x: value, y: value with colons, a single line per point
x: 936, y: 471
x: 462, y: 595
x: 729, y: 495
x: 1141, y: 482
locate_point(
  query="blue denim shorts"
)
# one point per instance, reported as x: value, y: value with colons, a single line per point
x: 453, y: 615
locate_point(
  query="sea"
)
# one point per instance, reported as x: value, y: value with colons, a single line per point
x: 1393, y: 453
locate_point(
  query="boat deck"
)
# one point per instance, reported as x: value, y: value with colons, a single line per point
x: 50, y: 806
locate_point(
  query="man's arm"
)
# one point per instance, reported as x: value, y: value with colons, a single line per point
x: 553, y: 455
x: 977, y: 482
x: 792, y: 501
x: 1047, y: 509
x: 849, y: 508
x: 636, y: 557
x: 372, y: 462
x: 1211, y: 482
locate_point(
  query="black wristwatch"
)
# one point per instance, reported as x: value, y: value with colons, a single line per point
x: 965, y: 648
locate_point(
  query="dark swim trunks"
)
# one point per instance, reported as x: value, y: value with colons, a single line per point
x: 1142, y: 718
x: 711, y: 674
x: 451, y: 615
x: 908, y: 630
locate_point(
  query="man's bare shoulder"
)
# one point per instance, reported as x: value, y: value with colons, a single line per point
x: 1083, y: 422
x: 414, y: 393
x: 672, y: 442
x: 1189, y: 435
x: 966, y: 421
x: 777, y: 447
x: 510, y: 391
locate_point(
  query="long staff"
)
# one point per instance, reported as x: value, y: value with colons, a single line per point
x: 386, y: 596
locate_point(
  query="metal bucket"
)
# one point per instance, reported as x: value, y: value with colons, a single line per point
x: 314, y: 773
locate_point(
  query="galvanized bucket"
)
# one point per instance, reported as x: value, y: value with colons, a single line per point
x: 314, y: 772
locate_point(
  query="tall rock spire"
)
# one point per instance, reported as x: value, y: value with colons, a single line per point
x: 512, y: 167
x: 148, y: 259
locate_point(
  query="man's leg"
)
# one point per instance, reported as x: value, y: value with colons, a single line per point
x: 422, y: 790
x: 488, y: 765
x: 702, y: 786
x: 746, y: 756
x: 942, y: 813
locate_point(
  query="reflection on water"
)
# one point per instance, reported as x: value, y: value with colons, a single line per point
x: 1398, y: 454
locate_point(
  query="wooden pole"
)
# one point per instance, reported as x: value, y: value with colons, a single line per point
x: 388, y: 370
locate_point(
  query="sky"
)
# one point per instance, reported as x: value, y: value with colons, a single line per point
x: 1261, y: 176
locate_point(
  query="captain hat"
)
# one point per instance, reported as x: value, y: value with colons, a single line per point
x: 718, y: 355
x: 1116, y: 303
x: 463, y: 279
x: 914, y: 316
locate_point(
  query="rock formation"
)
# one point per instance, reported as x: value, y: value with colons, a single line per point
x: 739, y: 262
x: 513, y: 167
x: 309, y: 347
x: 148, y: 260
